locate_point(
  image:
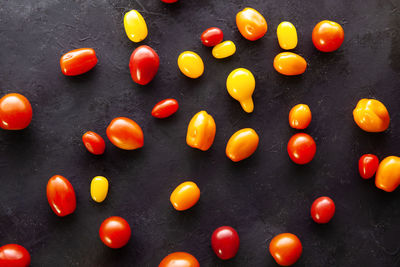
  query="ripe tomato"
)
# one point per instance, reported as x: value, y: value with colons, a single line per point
x: 61, y: 195
x: 300, y: 116
x: 15, y: 112
x: 388, y: 174
x: 367, y: 165
x: 286, y: 249
x: 322, y: 210
x: 327, y: 36
x: 125, y: 133
x: 115, y: 232
x: 94, y: 143
x: 212, y: 36
x: 301, y: 148
x: 251, y: 24
x: 225, y: 242
x: 165, y: 108
x: 179, y: 259
x: 78, y: 61
x: 143, y: 64
x: 13, y: 255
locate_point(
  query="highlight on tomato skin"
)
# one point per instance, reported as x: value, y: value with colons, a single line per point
x: 14, y: 255
x: 15, y: 112
x: 78, y: 61
x: 165, y: 108
x: 94, y: 143
x: 61, y: 196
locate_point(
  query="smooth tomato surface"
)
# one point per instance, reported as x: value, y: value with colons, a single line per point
x: 367, y: 165
x: 251, y: 24
x: 327, y: 36
x: 125, y: 133
x: 143, y: 64
x: 212, y: 36
x: 94, y: 143
x: 115, y: 232
x: 225, y: 242
x: 179, y: 259
x: 78, y: 61
x: 15, y: 112
x: 300, y: 116
x: 322, y: 210
x: 165, y: 108
x: 61, y: 195
x: 286, y: 249
x: 301, y: 148
x: 13, y: 255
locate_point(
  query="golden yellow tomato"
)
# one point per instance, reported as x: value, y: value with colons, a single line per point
x: 288, y: 63
x: 99, y: 188
x: 201, y: 131
x: 240, y: 85
x: 135, y: 26
x: 371, y: 115
x: 185, y: 196
x: 287, y: 35
x: 190, y: 64
x: 242, y: 144
x: 224, y: 49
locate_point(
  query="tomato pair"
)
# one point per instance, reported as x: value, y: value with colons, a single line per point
x: 15, y: 112
x: 13, y: 255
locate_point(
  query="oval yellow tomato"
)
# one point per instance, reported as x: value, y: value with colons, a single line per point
x: 185, y: 196
x: 287, y: 35
x: 99, y: 188
x: 190, y: 64
x: 135, y: 26
x: 224, y: 49
x: 242, y: 144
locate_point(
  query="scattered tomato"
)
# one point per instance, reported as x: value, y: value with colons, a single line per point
x: 240, y: 85
x: 125, y: 133
x: 212, y: 36
x: 251, y: 24
x: 190, y: 64
x: 290, y: 64
x: 13, y: 255
x: 371, y: 115
x: 322, y: 210
x: 287, y: 35
x: 225, y: 242
x: 99, y: 188
x: 242, y: 144
x: 115, y: 232
x: 143, y: 64
x: 301, y: 148
x: 165, y: 108
x: 367, y: 165
x: 135, y: 26
x: 224, y: 49
x: 185, y: 196
x: 300, y: 116
x: 61, y: 196
x: 94, y: 143
x: 327, y: 36
x: 286, y: 249
x: 78, y: 61
x: 388, y: 174
x: 179, y: 259
x: 201, y: 131
x: 15, y: 112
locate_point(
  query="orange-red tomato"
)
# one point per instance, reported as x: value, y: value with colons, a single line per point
x: 61, y: 195
x: 300, y: 116
x: 125, y: 133
x: 301, y: 148
x: 322, y: 210
x: 165, y: 108
x: 94, y: 143
x: 78, y: 61
x: 13, y: 255
x: 327, y: 36
x: 251, y: 24
x: 15, y: 112
x: 387, y: 176
x: 367, y: 165
x: 179, y: 259
x: 286, y: 249
x: 115, y: 232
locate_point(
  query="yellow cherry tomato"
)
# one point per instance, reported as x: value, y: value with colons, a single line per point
x: 191, y: 64
x: 201, y: 131
x: 251, y: 24
x: 371, y: 115
x: 242, y: 144
x: 388, y: 174
x: 300, y: 116
x: 288, y: 63
x: 185, y: 196
x: 224, y: 49
x: 135, y: 26
x: 240, y: 85
x: 99, y: 188
x: 287, y: 35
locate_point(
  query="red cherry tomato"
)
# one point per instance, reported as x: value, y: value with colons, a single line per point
x: 286, y: 249
x: 367, y: 165
x: 179, y: 259
x: 15, y: 112
x: 327, y: 36
x: 225, y: 242
x: 165, y: 108
x: 115, y: 232
x: 169, y: 1
x: 301, y: 148
x: 322, y: 210
x: 125, y: 133
x: 212, y: 36
x: 78, y: 61
x: 94, y: 143
x: 144, y: 64
x: 13, y: 255
x: 61, y: 195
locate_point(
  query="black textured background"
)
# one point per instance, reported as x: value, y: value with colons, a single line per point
x: 260, y: 197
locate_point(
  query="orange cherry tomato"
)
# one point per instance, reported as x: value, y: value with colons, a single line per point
x: 78, y: 61
x: 371, y: 115
x: 300, y: 116
x: 286, y: 249
x: 13, y: 255
x: 15, y: 112
x: 185, y: 196
x: 301, y: 148
x: 242, y: 144
x: 327, y: 36
x: 94, y: 143
x: 367, y: 165
x: 61, y: 196
x: 251, y: 24
x: 179, y: 259
x: 165, y: 108
x: 388, y: 174
x: 125, y: 133
x: 115, y: 232
x: 288, y: 63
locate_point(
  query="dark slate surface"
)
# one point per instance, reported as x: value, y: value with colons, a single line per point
x: 261, y: 197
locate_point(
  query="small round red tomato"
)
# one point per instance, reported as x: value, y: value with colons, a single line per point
x: 125, y: 133
x: 15, y: 112
x: 144, y: 64
x: 301, y: 148
x: 169, y: 1
x: 13, y: 255
x: 322, y: 210
x: 212, y: 36
x: 115, y: 232
x: 286, y: 249
x: 179, y: 259
x: 367, y: 165
x: 61, y: 195
x: 327, y: 36
x: 94, y: 143
x: 225, y: 242
x: 78, y: 61
x: 165, y: 108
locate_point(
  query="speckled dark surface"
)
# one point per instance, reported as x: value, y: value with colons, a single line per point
x: 260, y: 197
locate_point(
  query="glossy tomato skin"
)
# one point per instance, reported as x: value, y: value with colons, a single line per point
x: 327, y: 36
x: 251, y: 24
x: 165, y: 108
x: 322, y: 210
x: 212, y: 36
x: 13, y: 255
x: 225, y: 242
x: 179, y: 259
x: 94, y: 143
x: 301, y: 148
x: 61, y: 196
x: 125, y: 133
x: 78, y: 61
x: 15, y: 112
x: 115, y: 232
x: 367, y: 165
x: 286, y: 249
x: 143, y: 64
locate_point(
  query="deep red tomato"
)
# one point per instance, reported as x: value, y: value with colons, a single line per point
x: 13, y: 255
x: 301, y: 148
x: 94, y: 143
x: 125, y: 133
x: 115, y: 232
x: 322, y: 210
x: 212, y: 36
x: 225, y: 242
x: 61, y: 195
x: 169, y: 1
x: 327, y: 36
x: 179, y: 259
x: 286, y: 249
x: 367, y: 165
x: 15, y: 112
x: 144, y: 64
x: 165, y: 108
x: 78, y: 61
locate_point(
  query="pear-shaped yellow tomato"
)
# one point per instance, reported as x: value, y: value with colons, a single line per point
x: 191, y: 64
x: 99, y: 188
x: 251, y: 24
x: 201, y: 131
x: 240, y: 84
x: 388, y: 174
x: 287, y: 35
x: 135, y: 26
x: 288, y: 63
x: 371, y: 115
x: 242, y: 144
x: 185, y: 196
x: 224, y: 49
